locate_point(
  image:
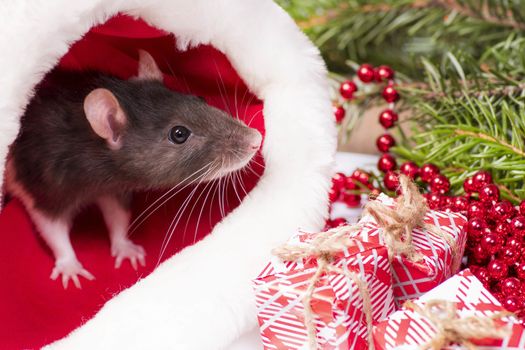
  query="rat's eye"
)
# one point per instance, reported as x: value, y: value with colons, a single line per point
x: 179, y: 134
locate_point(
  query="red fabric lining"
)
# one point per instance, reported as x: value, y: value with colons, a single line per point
x: 35, y: 310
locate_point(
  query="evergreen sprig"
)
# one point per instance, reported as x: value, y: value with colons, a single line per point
x: 466, y: 122
x: 399, y: 32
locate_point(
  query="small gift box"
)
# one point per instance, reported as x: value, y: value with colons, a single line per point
x: 425, y: 246
x: 323, y: 291
x: 458, y: 314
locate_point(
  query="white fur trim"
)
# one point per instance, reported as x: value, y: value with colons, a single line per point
x: 202, y: 297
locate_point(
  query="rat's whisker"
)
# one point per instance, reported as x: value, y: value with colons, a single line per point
x: 224, y: 100
x: 241, y: 183
x: 253, y: 117
x: 135, y: 224
x: 176, y: 219
x: 174, y: 223
x: 201, y: 212
x: 235, y: 100
x: 193, y: 208
x: 233, y: 178
x: 177, y: 78
x: 212, y: 198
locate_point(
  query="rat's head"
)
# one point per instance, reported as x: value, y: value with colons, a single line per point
x: 162, y: 138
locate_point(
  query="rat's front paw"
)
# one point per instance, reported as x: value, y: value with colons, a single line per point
x: 70, y: 269
x: 126, y: 249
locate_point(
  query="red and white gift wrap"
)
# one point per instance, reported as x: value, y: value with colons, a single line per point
x: 336, y: 303
x: 409, y: 330
x: 440, y: 260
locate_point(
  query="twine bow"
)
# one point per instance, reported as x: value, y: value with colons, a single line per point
x: 323, y: 248
x: 453, y: 328
x: 398, y: 223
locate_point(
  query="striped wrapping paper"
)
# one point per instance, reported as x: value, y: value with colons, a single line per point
x: 337, y: 303
x: 408, y: 330
x: 413, y: 280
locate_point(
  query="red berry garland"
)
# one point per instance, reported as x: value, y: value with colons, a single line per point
x: 495, y: 228
x: 385, y: 142
x: 339, y: 113
x: 366, y: 73
x: 347, y: 89
x: 388, y: 118
x: 384, y: 73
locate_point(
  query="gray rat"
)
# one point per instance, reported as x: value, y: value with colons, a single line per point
x: 87, y: 137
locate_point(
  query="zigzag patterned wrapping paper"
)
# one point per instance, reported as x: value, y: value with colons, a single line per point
x: 337, y: 304
x: 412, y: 280
x: 408, y: 330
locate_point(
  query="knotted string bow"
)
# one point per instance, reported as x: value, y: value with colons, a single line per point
x: 398, y: 222
x: 454, y: 328
x: 323, y: 248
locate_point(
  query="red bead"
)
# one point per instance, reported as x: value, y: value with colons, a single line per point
x: 347, y: 89
x: 386, y: 162
x: 513, y: 243
x: 350, y: 199
x: 339, y: 181
x: 439, y: 184
x: 428, y: 171
x: 497, y: 269
x: 385, y: 142
x: 391, y: 180
x: 517, y: 224
x: 338, y: 222
x: 508, y: 255
x: 489, y: 192
x: 491, y: 243
x: 481, y: 178
x: 479, y: 255
x: 502, y: 229
x: 482, y: 274
x: 333, y: 194
x: 468, y: 185
x: 390, y: 94
x: 475, y: 209
x: 388, y: 118
x: 502, y: 210
x: 519, y: 268
x: 510, y: 286
x: 366, y: 73
x: 522, y: 207
x: 447, y: 202
x: 433, y: 200
x: 361, y: 176
x: 511, y: 303
x: 350, y: 184
x: 339, y: 113
x: 476, y: 228
x: 460, y: 204
x: 409, y: 169
x: 384, y: 73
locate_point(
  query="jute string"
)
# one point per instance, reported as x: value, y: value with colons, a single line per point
x: 453, y: 328
x: 323, y: 248
x: 398, y: 223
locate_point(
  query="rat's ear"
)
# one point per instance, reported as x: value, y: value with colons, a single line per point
x: 148, y: 69
x: 105, y: 116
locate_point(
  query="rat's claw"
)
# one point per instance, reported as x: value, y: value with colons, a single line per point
x: 126, y: 249
x: 70, y: 269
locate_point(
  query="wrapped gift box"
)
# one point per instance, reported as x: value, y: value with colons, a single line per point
x: 336, y: 302
x: 409, y: 330
x: 439, y: 261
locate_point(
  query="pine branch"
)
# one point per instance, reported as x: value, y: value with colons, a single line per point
x: 484, y: 14
x: 398, y: 32
x: 471, y: 121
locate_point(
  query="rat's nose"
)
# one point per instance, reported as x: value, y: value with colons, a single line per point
x: 256, y: 140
